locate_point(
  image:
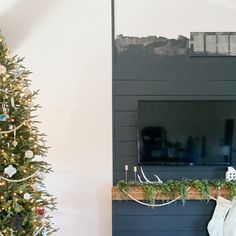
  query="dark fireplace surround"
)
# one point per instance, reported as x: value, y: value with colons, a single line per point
x: 139, y: 76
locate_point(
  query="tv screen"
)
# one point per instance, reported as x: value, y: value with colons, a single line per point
x: 187, y: 132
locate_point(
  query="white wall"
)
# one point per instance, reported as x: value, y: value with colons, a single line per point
x: 171, y: 18
x: 67, y: 44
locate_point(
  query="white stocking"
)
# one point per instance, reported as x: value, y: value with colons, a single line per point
x: 216, y: 225
x: 230, y: 221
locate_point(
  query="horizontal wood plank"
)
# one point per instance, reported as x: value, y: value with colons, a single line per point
x: 126, y: 118
x: 175, y: 88
x: 126, y: 134
x: 162, y: 233
x: 130, y: 103
x: 185, y: 68
x: 159, y: 223
x: 126, y: 149
x: 190, y: 208
x: 193, y: 194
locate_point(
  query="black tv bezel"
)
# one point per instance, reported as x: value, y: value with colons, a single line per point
x: 176, y: 100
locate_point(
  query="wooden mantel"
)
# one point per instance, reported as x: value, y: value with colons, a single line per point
x: 139, y: 194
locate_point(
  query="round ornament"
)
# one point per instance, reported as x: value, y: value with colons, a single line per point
x: 27, y: 196
x: 29, y: 154
x: 41, y: 211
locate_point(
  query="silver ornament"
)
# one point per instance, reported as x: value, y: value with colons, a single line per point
x: 27, y: 196
x: 29, y: 154
x: 10, y: 170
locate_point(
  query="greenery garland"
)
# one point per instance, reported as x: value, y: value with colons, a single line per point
x: 170, y: 188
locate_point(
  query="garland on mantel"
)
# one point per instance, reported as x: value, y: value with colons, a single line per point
x: 170, y: 188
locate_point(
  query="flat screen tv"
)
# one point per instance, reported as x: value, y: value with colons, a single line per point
x: 187, y: 132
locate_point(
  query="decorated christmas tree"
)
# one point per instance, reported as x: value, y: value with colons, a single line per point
x: 24, y: 202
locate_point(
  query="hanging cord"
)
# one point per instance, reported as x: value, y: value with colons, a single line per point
x: 153, y: 205
x: 12, y: 130
x: 169, y: 202
x: 19, y: 180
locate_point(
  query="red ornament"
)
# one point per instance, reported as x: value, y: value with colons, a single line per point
x: 41, y: 211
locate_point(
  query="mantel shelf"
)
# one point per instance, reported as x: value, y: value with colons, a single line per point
x: 139, y: 194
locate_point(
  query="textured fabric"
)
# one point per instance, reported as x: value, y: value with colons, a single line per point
x: 216, y: 225
x: 230, y: 221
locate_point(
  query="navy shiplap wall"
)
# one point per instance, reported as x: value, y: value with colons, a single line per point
x: 163, y: 78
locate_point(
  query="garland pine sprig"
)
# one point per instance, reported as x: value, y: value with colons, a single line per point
x: 172, y: 188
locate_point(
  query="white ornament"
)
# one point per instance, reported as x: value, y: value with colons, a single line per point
x: 230, y: 174
x: 10, y: 127
x: 29, y: 154
x: 10, y: 170
x: 12, y: 102
x: 27, y: 196
x: 17, y: 72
